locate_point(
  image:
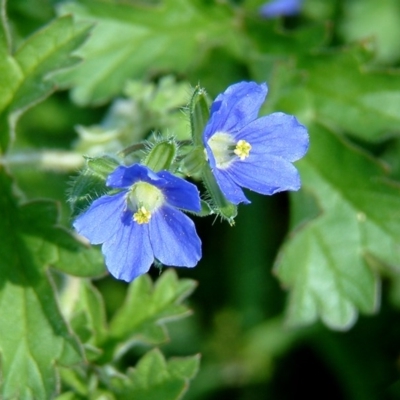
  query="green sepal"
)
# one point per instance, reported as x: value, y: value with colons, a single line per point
x: 199, y: 111
x: 219, y: 203
x: 161, y: 156
x: 205, y: 209
x: 90, y: 184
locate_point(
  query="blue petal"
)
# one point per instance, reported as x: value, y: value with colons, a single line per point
x: 278, y: 134
x: 277, y: 8
x: 270, y: 176
x: 174, y: 239
x: 128, y: 252
x: 229, y: 188
x: 124, y: 177
x: 102, y: 219
x: 178, y: 192
x: 235, y: 108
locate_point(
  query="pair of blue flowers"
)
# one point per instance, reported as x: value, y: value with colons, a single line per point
x: 144, y: 221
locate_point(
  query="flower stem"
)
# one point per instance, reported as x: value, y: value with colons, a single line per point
x: 58, y: 160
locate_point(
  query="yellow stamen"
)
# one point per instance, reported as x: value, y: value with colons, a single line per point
x: 142, y: 216
x: 242, y: 149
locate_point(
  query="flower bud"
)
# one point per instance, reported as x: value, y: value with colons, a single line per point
x: 161, y: 155
x: 199, y: 110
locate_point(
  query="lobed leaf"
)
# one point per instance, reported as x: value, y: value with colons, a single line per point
x: 62, y: 249
x: 154, y: 378
x: 85, y: 311
x: 339, y: 90
x: 147, y: 308
x: 33, y: 336
x: 133, y: 41
x: 326, y: 263
x: 140, y: 319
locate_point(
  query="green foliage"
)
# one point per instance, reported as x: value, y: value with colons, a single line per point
x: 336, y: 93
x: 146, y: 309
x: 146, y: 107
x: 380, y: 25
x: 332, y: 253
x: 154, y: 378
x: 135, y: 41
x: 90, y: 184
x: 27, y: 74
x: 336, y: 252
x: 140, y: 320
x: 34, y: 336
x: 341, y: 91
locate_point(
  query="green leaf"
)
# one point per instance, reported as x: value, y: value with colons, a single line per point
x: 146, y: 107
x: 284, y: 43
x: 327, y: 264
x: 339, y: 90
x: 33, y: 335
x: 133, y: 41
x: 68, y: 396
x: 77, y: 258
x: 83, y: 307
x: 154, y: 378
x: 362, y: 20
x: 63, y: 250
x: 147, y: 308
x: 27, y: 75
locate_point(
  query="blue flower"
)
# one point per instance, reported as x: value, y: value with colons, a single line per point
x: 250, y: 152
x: 143, y: 222
x: 276, y: 8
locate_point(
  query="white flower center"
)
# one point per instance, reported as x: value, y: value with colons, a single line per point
x: 225, y: 149
x: 143, y: 199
